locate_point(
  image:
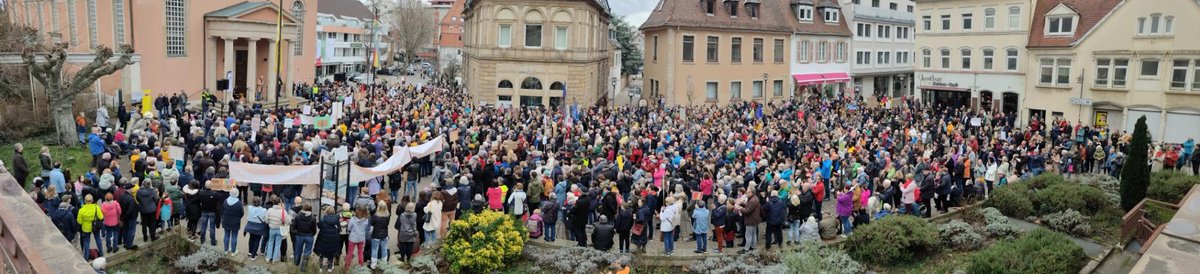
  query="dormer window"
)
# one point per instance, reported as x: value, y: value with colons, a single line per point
x: 803, y: 9
x: 831, y: 15
x: 752, y: 8
x: 1060, y: 25
x: 708, y: 5
x: 731, y: 6
x: 1155, y: 25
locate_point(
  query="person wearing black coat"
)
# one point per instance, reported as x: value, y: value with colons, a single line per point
x: 944, y: 187
x: 623, y: 224
x: 20, y: 168
x: 304, y: 227
x: 608, y: 205
x: 328, y: 245
x: 379, y: 234
x: 719, y: 219
x: 776, y: 216
x: 795, y: 217
x: 232, y: 210
x: 643, y: 217
x: 602, y: 235
x: 147, y: 199
x: 927, y: 186
x: 209, y: 204
x: 579, y: 216
x: 129, y: 218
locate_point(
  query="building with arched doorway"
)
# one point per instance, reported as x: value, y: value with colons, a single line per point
x: 536, y: 53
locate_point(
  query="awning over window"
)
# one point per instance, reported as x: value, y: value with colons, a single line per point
x: 821, y: 78
x: 945, y: 88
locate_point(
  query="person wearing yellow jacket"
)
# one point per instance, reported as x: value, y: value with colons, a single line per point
x: 89, y: 216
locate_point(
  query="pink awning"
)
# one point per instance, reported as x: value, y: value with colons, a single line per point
x: 821, y: 78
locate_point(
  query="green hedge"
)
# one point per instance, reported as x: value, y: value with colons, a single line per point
x: 1013, y: 200
x: 892, y: 240
x: 1040, y: 251
x: 1170, y: 186
x: 1059, y: 197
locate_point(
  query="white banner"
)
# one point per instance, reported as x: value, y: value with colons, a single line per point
x: 311, y: 174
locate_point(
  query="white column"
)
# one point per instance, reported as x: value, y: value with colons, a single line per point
x: 272, y: 51
x: 252, y: 68
x: 289, y: 70
x: 210, y: 63
x: 135, y: 78
x: 229, y: 62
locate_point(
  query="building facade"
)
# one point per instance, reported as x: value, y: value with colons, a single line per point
x: 1120, y: 60
x: 882, y: 46
x: 449, y: 40
x: 536, y: 53
x: 971, y: 53
x: 199, y: 42
x: 822, y: 45
x: 721, y: 52
x: 344, y: 38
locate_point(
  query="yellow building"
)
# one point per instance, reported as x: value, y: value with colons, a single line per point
x: 716, y: 51
x: 536, y: 52
x: 1109, y: 62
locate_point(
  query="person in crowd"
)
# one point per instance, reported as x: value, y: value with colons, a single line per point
x: 516, y: 201
x: 304, y: 229
x: 602, y: 234
x: 90, y: 218
x: 147, y: 198
x: 277, y: 216
x: 700, y: 225
x: 256, y: 227
x: 665, y: 218
x: 433, y: 220
x: 845, y: 207
x: 623, y: 224
x: 359, y: 228
x: 406, y: 231
x: 112, y: 224
x: 550, y: 218
x: 232, y: 210
x: 379, y: 234
x: 20, y: 168
x: 328, y: 244
x: 751, y: 218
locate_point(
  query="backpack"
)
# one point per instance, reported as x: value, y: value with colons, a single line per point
x: 534, y: 227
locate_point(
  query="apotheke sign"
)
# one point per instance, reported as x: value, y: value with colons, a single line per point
x: 934, y: 80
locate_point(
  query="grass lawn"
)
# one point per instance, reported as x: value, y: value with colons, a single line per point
x: 942, y: 262
x: 75, y: 159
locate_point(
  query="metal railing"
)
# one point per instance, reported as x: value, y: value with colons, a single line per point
x: 1135, y: 225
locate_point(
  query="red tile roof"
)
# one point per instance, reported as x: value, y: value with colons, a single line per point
x: 450, y: 25
x: 774, y: 16
x: 1090, y: 13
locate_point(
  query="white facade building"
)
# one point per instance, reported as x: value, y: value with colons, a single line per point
x: 882, y: 46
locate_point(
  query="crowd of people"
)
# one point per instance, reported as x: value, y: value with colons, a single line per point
x: 599, y: 173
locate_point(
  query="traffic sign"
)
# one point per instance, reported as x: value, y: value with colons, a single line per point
x: 1081, y: 101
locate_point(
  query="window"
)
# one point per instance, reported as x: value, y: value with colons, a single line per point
x: 839, y: 54
x: 804, y: 12
x: 805, y: 51
x: 756, y: 89
x: 1156, y: 25
x: 966, y: 58
x: 175, y: 28
x: 93, y: 40
x: 778, y: 51
x: 732, y: 7
x: 988, y: 57
x: 1055, y: 72
x: 821, y: 51
x: 884, y: 31
x: 966, y: 20
x: 710, y: 91
x: 1196, y: 75
x: 71, y: 26
x: 989, y: 18
x: 298, y: 13
x: 1059, y: 25
x: 1167, y: 24
x: 1120, y: 69
x: 862, y: 58
x: 656, y: 48
x: 54, y: 20
x: 778, y: 85
x: 884, y: 57
x: 1179, y: 72
x: 531, y: 83
x: 945, y: 58
x: 910, y: 9
x: 864, y: 30
x: 735, y: 50
x: 1014, y: 17
x: 946, y: 22
x: 758, y: 50
x: 893, y: 6
x: 752, y: 9
x: 560, y: 38
x: 118, y: 21
x: 1011, y: 55
x: 1154, y: 18
x: 689, y: 48
x: 1149, y: 68
x: 504, y: 84
x: 533, y: 35
x: 1141, y: 25
x: 928, y: 22
x: 709, y: 6
x: 902, y: 33
x: 926, y: 56
x: 874, y: 3
x: 505, y: 36
x: 901, y: 57
x: 1103, y: 66
x: 711, y: 52
x: 831, y: 15
x: 735, y: 90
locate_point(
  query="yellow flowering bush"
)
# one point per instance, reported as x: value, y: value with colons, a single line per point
x: 481, y: 243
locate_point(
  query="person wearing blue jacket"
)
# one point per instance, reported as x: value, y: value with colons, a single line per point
x: 700, y: 224
x: 232, y: 211
x: 95, y: 145
x: 776, y: 216
x: 256, y: 227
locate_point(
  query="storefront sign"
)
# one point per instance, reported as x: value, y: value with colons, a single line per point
x: 934, y: 80
x: 1101, y: 118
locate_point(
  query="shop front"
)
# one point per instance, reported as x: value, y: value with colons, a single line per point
x: 826, y: 85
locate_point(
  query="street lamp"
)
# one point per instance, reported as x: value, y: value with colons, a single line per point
x: 763, y: 88
x: 614, y: 90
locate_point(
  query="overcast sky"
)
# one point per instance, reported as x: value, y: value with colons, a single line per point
x: 634, y: 11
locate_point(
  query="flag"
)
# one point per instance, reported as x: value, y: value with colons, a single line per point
x: 758, y: 112
x: 375, y: 56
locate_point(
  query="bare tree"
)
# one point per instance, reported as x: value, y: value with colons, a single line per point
x: 451, y: 70
x: 46, y: 63
x: 412, y: 26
